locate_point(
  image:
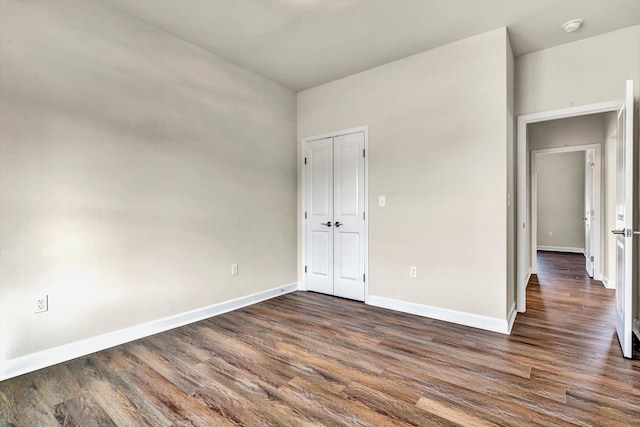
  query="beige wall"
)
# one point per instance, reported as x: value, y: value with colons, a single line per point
x: 581, y: 130
x: 584, y: 72
x: 560, y: 184
x: 134, y: 169
x: 438, y: 135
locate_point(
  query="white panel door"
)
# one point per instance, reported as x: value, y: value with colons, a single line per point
x: 624, y: 223
x: 335, y: 216
x: 319, y: 211
x: 348, y: 205
x: 589, y: 207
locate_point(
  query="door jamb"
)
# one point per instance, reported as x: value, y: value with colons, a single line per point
x: 597, y: 194
x: 523, y: 265
x: 365, y: 129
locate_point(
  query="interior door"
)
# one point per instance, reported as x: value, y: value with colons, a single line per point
x: 334, y: 216
x: 319, y: 215
x: 624, y: 222
x: 589, y: 208
x: 348, y: 215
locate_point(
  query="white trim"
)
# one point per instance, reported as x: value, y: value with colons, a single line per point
x: 512, y: 318
x: 561, y: 249
x: 598, y: 182
x: 301, y: 182
x: 31, y: 362
x: 607, y: 284
x: 522, y: 263
x: 459, y: 317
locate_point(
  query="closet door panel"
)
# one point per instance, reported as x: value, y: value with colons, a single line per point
x: 319, y: 222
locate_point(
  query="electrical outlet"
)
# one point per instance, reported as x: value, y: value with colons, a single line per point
x: 234, y: 269
x: 382, y: 201
x: 413, y: 271
x: 550, y: 233
x: 42, y: 304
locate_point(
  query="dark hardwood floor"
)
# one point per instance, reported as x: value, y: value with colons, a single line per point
x: 310, y: 359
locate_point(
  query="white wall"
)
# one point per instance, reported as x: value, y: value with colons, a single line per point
x: 438, y: 135
x: 584, y: 72
x: 560, y: 200
x: 134, y: 169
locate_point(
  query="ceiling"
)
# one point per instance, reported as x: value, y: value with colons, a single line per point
x: 304, y: 43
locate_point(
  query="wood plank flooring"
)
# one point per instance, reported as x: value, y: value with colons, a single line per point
x: 305, y: 359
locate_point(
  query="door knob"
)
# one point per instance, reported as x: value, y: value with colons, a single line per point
x: 328, y: 224
x: 618, y: 231
x: 338, y: 224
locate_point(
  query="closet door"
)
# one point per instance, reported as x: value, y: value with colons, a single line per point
x: 334, y: 216
x: 348, y: 215
x: 319, y: 215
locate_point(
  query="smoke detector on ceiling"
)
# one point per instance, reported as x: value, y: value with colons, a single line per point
x: 571, y: 26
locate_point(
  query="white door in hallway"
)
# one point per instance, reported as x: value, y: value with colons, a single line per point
x: 589, y: 209
x: 624, y: 223
x: 335, y: 215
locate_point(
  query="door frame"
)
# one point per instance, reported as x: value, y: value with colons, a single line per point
x: 523, y: 228
x: 597, y: 195
x: 303, y: 202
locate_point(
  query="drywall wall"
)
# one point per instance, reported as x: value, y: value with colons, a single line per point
x: 584, y: 72
x: 581, y: 130
x: 560, y: 185
x: 438, y: 139
x: 134, y: 170
x: 580, y: 73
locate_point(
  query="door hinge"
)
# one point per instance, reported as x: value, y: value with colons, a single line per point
x: 305, y: 160
x: 305, y: 215
x: 305, y: 268
x: 592, y: 258
x: 363, y: 152
x: 364, y: 276
x: 364, y: 215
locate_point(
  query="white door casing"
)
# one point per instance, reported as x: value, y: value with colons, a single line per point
x: 334, y: 203
x: 624, y: 223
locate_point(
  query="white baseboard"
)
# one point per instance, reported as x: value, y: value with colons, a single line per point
x: 31, y: 362
x: 513, y: 312
x: 526, y: 280
x: 561, y: 249
x: 459, y: 317
x: 607, y: 284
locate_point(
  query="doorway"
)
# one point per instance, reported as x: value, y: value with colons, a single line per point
x: 566, y: 214
x: 335, y: 213
x: 525, y: 255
